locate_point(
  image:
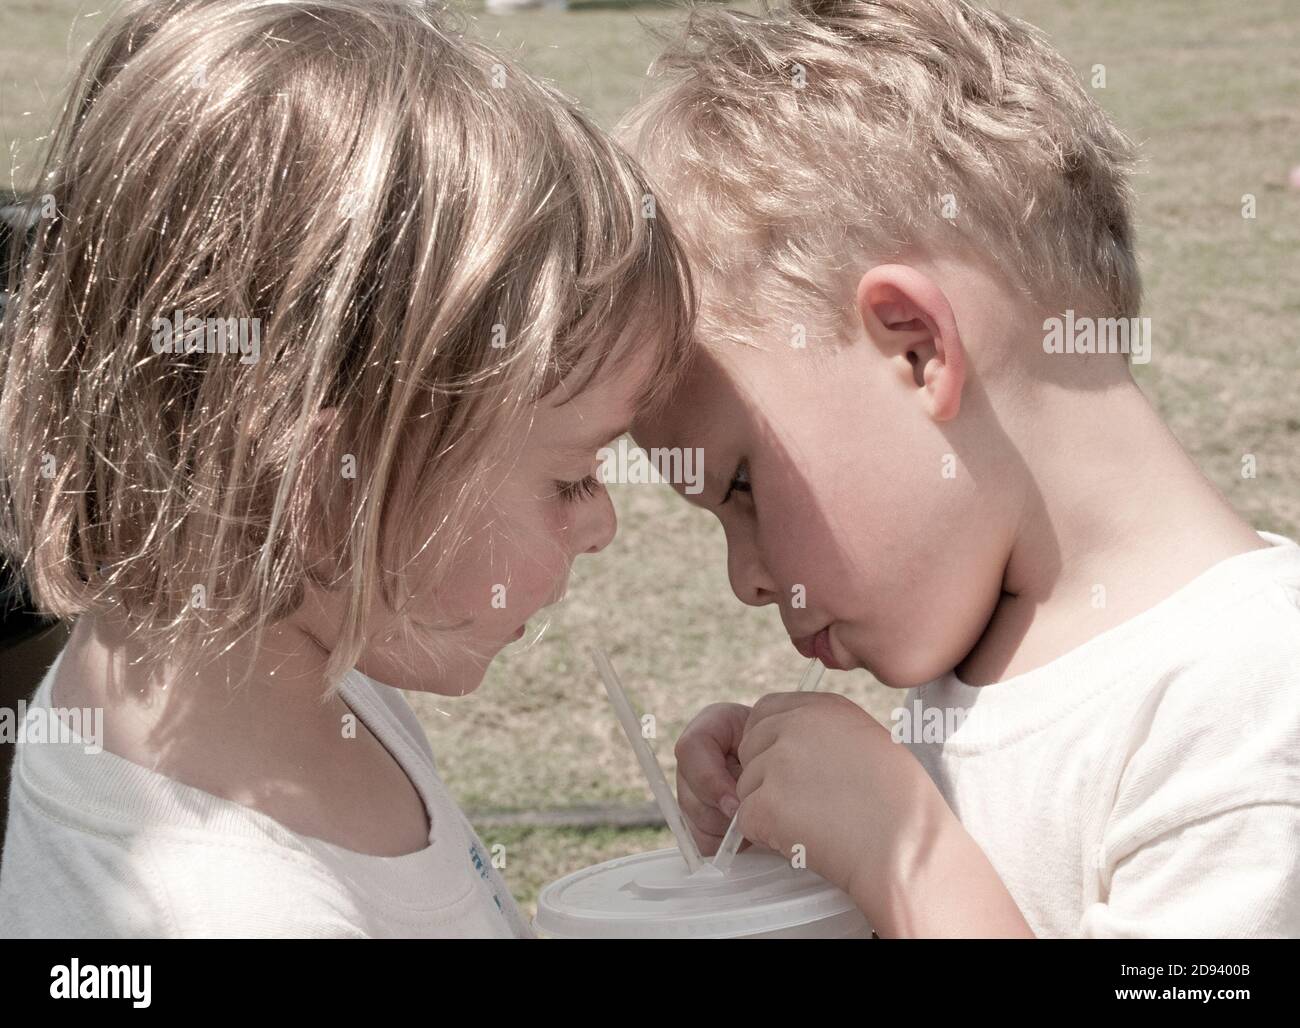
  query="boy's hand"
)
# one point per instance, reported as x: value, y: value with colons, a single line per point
x: 822, y: 773
x: 707, y: 769
x: 801, y: 741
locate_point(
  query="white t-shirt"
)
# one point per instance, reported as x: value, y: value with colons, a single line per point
x: 1147, y: 783
x: 100, y: 847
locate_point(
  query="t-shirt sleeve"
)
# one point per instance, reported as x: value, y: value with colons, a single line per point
x: 1203, y: 836
x: 1234, y: 874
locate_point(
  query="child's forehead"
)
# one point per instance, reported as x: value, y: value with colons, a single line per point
x: 712, y: 396
x: 584, y: 417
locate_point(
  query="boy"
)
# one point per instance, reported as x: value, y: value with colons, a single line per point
x: 898, y: 212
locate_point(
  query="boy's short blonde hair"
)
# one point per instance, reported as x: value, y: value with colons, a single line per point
x: 429, y: 241
x: 790, y: 141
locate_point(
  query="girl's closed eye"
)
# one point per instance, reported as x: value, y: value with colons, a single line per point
x: 576, y: 492
x: 739, y: 480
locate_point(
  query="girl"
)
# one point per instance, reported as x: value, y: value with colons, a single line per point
x: 324, y: 316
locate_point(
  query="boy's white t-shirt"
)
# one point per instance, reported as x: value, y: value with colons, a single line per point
x: 100, y: 847
x: 1147, y: 783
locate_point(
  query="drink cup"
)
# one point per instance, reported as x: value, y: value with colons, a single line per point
x: 654, y: 896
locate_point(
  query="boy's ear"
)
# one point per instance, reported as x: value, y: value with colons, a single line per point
x: 909, y: 320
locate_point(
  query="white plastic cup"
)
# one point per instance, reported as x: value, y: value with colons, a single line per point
x: 654, y: 896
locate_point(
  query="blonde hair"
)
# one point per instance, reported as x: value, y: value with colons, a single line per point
x: 789, y: 140
x: 391, y: 202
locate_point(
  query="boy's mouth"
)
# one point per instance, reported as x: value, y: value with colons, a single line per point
x: 818, y: 645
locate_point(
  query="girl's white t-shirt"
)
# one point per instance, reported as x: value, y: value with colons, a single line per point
x: 1147, y: 783
x: 100, y: 847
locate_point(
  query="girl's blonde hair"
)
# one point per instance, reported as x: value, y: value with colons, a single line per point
x: 791, y: 141
x: 425, y: 240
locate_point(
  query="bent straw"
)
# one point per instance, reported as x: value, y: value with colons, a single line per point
x: 730, y: 845
x: 649, y: 764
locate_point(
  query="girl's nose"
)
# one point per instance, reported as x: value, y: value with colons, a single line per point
x: 600, y: 529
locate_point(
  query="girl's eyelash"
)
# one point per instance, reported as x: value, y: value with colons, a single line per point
x: 737, y: 484
x: 576, y: 492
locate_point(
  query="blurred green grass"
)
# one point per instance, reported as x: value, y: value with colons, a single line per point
x: 1208, y: 89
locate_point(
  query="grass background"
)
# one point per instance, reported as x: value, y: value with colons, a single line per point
x: 1210, y: 91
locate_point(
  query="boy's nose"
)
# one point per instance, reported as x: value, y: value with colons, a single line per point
x: 749, y: 580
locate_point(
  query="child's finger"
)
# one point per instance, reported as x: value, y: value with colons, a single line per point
x: 780, y: 702
x: 706, y: 753
x: 749, y: 783
x: 706, y: 822
x: 758, y: 737
x: 703, y: 773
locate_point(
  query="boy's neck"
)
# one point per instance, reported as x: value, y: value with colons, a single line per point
x: 1115, y: 518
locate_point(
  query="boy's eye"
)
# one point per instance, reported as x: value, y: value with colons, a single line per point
x: 739, y: 481
x: 576, y: 492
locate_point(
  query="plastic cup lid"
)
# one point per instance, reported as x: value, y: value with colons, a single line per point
x: 652, y: 895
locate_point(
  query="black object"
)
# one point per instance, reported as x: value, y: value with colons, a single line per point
x: 15, y: 216
x: 18, y: 621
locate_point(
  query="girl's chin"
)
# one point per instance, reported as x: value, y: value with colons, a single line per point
x: 459, y: 682
x: 458, y: 679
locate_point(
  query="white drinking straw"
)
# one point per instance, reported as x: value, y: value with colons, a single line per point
x: 730, y: 845
x: 649, y: 764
